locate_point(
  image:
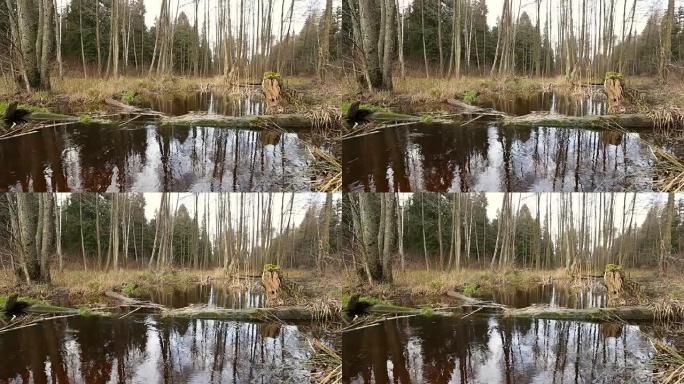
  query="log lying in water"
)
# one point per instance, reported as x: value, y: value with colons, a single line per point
x: 627, y: 121
x: 292, y: 313
x: 284, y: 121
x: 544, y: 312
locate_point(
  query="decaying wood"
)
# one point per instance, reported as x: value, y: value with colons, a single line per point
x: 290, y: 313
x: 615, y: 89
x: 546, y: 312
x: 273, y: 91
x: 130, y: 109
x: 273, y: 284
x: 126, y: 301
x: 468, y: 109
x: 284, y: 121
x: 473, y: 302
x: 615, y: 282
x: 626, y: 121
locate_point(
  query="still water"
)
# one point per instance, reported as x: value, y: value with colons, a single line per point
x: 176, y: 105
x: 149, y: 158
x: 210, y: 295
x: 151, y: 350
x: 553, y: 295
x: 495, y: 350
x: 488, y: 157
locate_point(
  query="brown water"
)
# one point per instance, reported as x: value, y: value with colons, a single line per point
x: 563, y: 104
x: 554, y: 295
x: 148, y: 158
x: 150, y: 350
x: 495, y: 350
x: 210, y: 295
x: 488, y: 157
x: 206, y: 102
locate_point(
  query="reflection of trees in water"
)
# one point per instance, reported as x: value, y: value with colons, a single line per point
x: 144, y: 158
x: 493, y: 351
x: 480, y: 157
x: 170, y: 350
x: 207, y: 102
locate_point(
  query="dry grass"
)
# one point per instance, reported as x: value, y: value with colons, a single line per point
x: 326, y: 361
x: 422, y: 282
x: 421, y: 89
x: 669, y: 363
x: 669, y: 170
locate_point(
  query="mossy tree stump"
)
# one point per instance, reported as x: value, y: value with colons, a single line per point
x: 615, y: 282
x: 614, y: 86
x: 272, y: 279
x: 272, y: 88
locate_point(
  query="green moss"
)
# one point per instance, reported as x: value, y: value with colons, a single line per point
x: 613, y: 268
x: 471, y: 289
x: 27, y: 107
x: 612, y: 75
x: 29, y: 300
x: 344, y: 107
x: 85, y: 119
x: 427, y: 311
x: 271, y: 267
x: 128, y: 97
x: 471, y: 96
x: 130, y: 289
x: 272, y: 75
x: 364, y: 299
x: 85, y: 312
x: 426, y: 119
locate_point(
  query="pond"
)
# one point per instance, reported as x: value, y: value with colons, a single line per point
x: 494, y: 350
x: 484, y: 156
x: 211, y: 295
x: 145, y: 349
x: 552, y: 294
x: 594, y: 102
x: 176, y: 105
x: 149, y: 158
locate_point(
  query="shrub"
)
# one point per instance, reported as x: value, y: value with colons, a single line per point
x: 471, y: 289
x: 471, y: 96
x: 128, y: 97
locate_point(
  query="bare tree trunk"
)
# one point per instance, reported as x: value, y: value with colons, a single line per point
x: 666, y: 42
x: 80, y: 29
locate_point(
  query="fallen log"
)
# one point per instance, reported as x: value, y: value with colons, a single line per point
x: 472, y: 109
x: 629, y: 313
x: 291, y: 313
x: 126, y: 301
x: 626, y: 121
x: 291, y: 122
x: 475, y: 303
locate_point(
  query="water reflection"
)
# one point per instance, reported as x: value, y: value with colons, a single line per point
x: 554, y: 295
x: 206, y: 102
x: 150, y: 158
x: 563, y: 104
x: 217, y: 296
x: 146, y: 350
x: 490, y: 350
x: 486, y: 157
